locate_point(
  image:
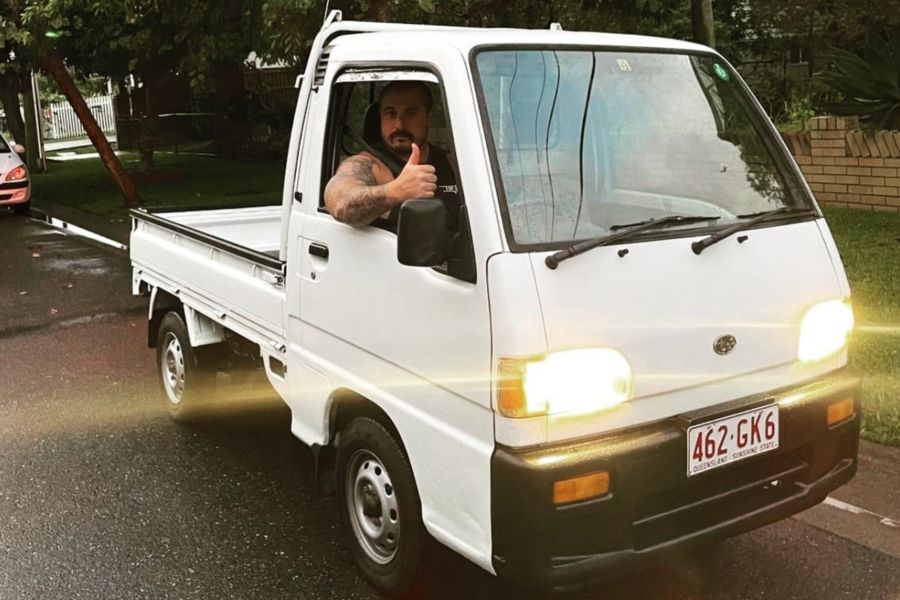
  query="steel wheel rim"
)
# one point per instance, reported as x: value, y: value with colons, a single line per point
x: 172, y: 368
x: 372, y: 506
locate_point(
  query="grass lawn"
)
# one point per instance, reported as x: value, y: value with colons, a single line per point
x: 189, y: 181
x: 869, y: 243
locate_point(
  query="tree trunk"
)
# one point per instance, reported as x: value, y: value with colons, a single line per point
x: 702, y: 22
x: 9, y: 97
x: 381, y: 10
x: 32, y: 139
x: 53, y: 65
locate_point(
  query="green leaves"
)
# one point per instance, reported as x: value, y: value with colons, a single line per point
x: 651, y: 5
x: 870, y: 86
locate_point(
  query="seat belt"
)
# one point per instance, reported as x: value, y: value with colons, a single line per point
x: 391, y: 162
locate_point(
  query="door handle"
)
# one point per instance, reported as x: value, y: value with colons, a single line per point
x: 320, y: 250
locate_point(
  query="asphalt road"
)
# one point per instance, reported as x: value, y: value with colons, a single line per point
x: 102, y: 496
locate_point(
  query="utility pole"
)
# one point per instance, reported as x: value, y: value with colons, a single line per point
x: 39, y: 123
x: 702, y: 22
x: 32, y: 128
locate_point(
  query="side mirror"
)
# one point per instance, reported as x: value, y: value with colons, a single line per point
x: 423, y: 237
x: 19, y: 149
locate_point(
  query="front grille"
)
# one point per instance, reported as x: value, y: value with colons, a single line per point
x: 14, y: 185
x: 717, y: 498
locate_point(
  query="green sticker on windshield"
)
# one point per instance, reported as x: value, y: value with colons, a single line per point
x: 721, y: 72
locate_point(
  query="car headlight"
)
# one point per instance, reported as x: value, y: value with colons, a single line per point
x: 17, y: 174
x: 572, y: 381
x: 825, y: 330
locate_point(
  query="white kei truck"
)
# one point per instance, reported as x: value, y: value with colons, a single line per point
x: 626, y: 337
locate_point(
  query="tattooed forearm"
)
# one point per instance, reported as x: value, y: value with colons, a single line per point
x: 353, y: 195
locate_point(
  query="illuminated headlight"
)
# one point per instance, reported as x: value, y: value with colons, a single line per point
x: 825, y: 330
x: 573, y: 381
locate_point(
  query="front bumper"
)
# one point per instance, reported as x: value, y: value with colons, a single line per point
x: 15, y: 192
x: 653, y: 506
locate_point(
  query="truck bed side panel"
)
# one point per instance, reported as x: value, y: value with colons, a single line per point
x: 238, y: 292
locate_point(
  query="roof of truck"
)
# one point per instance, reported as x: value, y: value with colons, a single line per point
x: 466, y: 38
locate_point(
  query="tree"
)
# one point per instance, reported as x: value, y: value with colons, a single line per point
x: 10, y: 85
x: 23, y: 25
x: 14, y: 70
x: 164, y: 44
x: 869, y: 84
x: 702, y: 22
x: 762, y: 36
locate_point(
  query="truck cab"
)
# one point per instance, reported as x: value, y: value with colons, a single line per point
x: 625, y: 335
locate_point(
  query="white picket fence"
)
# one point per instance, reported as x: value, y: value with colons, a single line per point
x: 61, y: 122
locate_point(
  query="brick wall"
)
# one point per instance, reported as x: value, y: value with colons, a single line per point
x: 848, y: 168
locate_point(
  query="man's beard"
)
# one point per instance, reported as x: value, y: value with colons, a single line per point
x: 404, y: 148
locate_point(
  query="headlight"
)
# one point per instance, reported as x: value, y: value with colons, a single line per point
x: 825, y: 330
x: 573, y: 381
x: 17, y: 174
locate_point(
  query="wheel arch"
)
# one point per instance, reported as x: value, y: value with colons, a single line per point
x: 344, y: 405
x: 161, y: 302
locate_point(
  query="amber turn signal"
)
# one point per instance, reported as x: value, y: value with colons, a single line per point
x: 840, y: 411
x: 587, y: 486
x: 510, y: 375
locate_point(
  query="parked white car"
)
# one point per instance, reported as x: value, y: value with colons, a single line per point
x: 15, y: 185
x: 632, y: 339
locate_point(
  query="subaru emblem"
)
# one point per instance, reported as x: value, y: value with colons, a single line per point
x: 725, y: 344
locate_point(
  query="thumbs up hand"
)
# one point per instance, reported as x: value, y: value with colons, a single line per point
x: 414, y: 155
x: 414, y: 181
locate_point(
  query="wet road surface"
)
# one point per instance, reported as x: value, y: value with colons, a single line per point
x: 48, y: 276
x: 102, y: 496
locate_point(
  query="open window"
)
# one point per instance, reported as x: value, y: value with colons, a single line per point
x: 354, y: 120
x: 354, y: 126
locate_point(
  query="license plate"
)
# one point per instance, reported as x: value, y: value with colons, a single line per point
x: 723, y: 441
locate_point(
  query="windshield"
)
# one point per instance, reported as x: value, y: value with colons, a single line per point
x: 4, y: 149
x: 588, y: 140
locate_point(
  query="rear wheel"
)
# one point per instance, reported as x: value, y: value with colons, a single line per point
x: 380, y: 504
x: 184, y: 384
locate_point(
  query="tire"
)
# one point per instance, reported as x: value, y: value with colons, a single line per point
x: 380, y: 505
x: 21, y: 209
x: 184, y: 385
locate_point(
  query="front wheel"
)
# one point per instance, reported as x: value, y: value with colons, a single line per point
x: 184, y: 384
x: 380, y: 504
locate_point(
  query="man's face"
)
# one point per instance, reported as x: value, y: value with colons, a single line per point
x: 404, y: 119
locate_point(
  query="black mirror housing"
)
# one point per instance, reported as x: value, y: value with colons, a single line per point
x: 423, y: 237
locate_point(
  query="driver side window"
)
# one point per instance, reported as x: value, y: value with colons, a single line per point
x: 379, y: 112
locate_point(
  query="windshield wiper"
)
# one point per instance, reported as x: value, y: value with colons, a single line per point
x: 631, y: 229
x: 701, y: 245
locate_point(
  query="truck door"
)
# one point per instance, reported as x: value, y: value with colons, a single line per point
x: 414, y: 340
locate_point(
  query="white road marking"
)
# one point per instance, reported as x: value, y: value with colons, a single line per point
x: 860, y: 511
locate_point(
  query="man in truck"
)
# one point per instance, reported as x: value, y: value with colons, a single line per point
x: 401, y: 166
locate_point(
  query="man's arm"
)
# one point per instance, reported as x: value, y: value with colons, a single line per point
x: 355, y: 195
